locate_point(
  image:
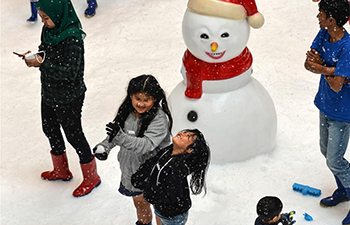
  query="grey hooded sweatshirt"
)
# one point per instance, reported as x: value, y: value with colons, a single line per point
x: 134, y: 151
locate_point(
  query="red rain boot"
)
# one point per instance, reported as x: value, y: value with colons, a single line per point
x: 90, y: 181
x: 60, y: 169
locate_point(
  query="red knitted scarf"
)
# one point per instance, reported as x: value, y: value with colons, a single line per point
x: 198, y: 70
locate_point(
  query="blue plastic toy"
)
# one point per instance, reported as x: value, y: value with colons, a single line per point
x: 306, y: 190
x: 287, y: 218
x: 307, y: 217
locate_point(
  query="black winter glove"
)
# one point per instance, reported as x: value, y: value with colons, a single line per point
x: 112, y: 130
x: 101, y: 156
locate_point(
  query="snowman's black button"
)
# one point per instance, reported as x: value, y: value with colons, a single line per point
x: 192, y: 116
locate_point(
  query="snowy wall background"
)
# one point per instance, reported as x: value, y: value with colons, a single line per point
x: 129, y: 38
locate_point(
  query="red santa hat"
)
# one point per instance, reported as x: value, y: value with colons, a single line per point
x: 230, y: 9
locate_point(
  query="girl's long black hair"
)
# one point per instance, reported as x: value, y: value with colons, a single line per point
x: 149, y: 85
x: 200, y: 158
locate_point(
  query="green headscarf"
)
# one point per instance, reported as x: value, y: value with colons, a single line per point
x: 67, y: 23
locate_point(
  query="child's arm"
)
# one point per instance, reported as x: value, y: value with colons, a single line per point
x: 314, y: 56
x: 314, y: 64
x: 168, y: 191
x: 318, y: 68
x: 139, y: 179
x: 155, y: 134
x: 102, y: 149
x: 30, y: 62
x: 335, y: 82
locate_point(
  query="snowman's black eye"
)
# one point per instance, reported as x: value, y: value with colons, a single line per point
x: 225, y: 35
x: 204, y: 36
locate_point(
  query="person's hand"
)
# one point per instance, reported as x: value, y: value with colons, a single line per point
x: 33, y: 62
x: 100, y: 152
x: 112, y: 130
x: 314, y: 56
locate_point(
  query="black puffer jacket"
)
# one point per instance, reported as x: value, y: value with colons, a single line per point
x: 163, y: 180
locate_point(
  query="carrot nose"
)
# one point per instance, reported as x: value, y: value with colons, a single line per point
x: 214, y: 46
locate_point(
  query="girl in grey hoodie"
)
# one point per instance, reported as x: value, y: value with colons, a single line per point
x: 141, y: 127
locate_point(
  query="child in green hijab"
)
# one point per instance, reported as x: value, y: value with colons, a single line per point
x: 61, y: 63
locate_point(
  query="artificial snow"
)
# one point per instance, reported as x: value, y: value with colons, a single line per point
x: 129, y: 38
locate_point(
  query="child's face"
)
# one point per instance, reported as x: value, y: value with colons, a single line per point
x: 46, y: 20
x: 322, y: 18
x: 183, y: 139
x: 142, y: 102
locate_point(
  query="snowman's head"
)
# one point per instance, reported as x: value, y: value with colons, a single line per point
x: 214, y: 39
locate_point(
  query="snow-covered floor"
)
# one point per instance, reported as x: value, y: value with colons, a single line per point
x: 129, y: 38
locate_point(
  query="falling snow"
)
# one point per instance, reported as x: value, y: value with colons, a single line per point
x: 129, y: 38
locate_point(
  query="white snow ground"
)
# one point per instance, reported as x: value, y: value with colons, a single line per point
x: 129, y: 38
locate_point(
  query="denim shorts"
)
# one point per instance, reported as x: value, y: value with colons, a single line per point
x: 176, y: 220
x: 128, y: 193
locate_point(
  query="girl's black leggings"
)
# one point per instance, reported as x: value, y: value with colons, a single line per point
x: 69, y: 118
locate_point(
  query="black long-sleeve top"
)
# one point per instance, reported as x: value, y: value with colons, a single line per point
x: 259, y: 221
x: 285, y: 219
x: 163, y: 179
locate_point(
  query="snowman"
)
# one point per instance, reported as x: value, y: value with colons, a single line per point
x: 218, y: 94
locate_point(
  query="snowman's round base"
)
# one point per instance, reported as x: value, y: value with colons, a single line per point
x: 237, y: 125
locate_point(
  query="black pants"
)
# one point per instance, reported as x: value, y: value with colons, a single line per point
x: 69, y: 117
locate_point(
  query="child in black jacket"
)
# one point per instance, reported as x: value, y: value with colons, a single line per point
x: 269, y: 212
x: 163, y: 178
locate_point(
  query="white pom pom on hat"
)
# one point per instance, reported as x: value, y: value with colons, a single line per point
x: 230, y: 9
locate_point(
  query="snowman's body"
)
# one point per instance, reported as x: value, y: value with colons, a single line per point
x: 236, y: 115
